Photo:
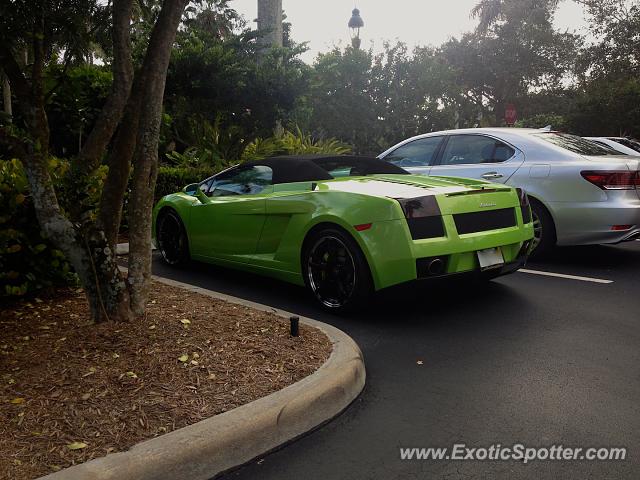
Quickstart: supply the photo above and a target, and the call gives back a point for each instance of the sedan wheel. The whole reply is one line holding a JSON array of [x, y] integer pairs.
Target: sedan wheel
[[537, 230], [544, 231]]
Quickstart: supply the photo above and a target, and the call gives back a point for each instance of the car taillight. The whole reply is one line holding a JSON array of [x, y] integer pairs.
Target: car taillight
[[525, 207], [423, 217], [613, 179]]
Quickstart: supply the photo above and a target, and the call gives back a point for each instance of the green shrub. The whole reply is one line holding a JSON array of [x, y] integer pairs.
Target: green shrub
[[28, 262], [174, 179]]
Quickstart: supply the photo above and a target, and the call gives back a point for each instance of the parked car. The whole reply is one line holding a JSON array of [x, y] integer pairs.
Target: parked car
[[345, 226], [581, 193], [619, 144]]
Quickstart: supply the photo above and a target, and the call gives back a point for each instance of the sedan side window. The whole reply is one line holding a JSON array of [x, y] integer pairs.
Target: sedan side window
[[418, 153], [475, 149], [241, 181]]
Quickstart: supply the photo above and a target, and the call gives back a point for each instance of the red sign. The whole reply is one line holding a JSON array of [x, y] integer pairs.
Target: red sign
[[510, 115]]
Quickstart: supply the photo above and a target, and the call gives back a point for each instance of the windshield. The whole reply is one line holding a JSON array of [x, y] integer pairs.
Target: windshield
[[576, 144]]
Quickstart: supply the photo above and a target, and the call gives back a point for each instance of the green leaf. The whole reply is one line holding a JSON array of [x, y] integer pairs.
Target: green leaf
[[76, 445]]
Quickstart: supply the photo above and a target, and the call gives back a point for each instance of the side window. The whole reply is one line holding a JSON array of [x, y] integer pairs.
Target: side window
[[241, 181], [205, 186], [474, 149], [418, 153]]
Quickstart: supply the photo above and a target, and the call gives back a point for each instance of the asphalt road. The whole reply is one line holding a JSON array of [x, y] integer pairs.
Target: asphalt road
[[528, 358]]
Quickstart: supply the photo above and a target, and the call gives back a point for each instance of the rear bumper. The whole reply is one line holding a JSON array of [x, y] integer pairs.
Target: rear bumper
[[505, 269], [392, 254], [591, 222]]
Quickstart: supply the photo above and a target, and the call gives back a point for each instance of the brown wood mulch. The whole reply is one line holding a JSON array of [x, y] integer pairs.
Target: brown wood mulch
[[71, 391]]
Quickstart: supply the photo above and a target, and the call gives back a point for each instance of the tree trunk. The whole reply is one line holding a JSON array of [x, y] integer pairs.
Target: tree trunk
[[84, 243], [145, 167], [87, 251], [6, 95], [270, 24], [119, 161], [96, 143]]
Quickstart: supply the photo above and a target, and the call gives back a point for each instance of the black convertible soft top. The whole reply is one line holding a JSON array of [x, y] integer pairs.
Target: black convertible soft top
[[309, 168]]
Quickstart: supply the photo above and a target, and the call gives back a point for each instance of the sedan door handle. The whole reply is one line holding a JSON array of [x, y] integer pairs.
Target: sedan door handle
[[492, 175]]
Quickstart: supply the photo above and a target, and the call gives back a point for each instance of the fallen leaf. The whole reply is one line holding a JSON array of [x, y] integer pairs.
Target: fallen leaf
[[86, 396], [212, 376], [183, 358], [152, 327], [17, 401], [76, 445], [131, 375], [115, 355]]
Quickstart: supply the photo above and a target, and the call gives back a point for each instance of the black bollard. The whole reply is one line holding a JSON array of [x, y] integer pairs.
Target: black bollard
[[295, 329]]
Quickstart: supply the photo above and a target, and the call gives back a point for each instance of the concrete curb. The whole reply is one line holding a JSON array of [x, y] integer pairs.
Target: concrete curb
[[217, 444], [123, 248]]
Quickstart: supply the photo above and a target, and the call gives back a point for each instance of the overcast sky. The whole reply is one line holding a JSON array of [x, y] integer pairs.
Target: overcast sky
[[323, 23]]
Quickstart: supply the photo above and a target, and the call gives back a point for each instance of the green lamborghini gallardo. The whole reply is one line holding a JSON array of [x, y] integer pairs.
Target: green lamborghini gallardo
[[345, 226]]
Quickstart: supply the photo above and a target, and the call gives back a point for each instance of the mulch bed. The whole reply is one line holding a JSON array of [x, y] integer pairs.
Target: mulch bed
[[71, 391]]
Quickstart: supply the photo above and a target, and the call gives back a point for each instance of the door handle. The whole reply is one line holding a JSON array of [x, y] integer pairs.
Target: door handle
[[492, 175]]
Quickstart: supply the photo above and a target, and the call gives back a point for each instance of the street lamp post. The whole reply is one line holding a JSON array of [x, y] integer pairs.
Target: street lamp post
[[355, 24]]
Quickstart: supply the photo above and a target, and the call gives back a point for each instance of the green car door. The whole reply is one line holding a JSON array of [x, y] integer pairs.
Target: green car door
[[227, 218]]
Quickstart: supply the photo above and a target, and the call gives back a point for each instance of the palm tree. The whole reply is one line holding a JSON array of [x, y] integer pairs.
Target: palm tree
[[270, 22]]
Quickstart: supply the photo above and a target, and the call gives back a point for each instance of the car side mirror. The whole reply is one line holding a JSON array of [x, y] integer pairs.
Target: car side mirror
[[191, 189], [200, 195]]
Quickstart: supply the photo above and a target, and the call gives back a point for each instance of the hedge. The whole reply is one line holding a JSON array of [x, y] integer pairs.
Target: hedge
[[174, 179], [28, 261]]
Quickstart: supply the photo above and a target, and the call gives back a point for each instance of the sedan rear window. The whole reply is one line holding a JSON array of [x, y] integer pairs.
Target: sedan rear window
[[576, 144], [627, 142]]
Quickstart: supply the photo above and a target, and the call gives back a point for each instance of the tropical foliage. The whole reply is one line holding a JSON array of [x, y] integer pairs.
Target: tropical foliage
[[222, 106]]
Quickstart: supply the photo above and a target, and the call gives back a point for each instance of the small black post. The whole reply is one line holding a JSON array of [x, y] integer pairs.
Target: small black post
[[295, 331]]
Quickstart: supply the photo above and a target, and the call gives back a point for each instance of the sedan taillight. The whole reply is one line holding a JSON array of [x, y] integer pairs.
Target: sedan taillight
[[612, 179], [523, 197], [525, 207]]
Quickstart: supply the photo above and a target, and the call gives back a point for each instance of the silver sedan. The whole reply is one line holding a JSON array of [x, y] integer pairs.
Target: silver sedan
[[581, 193]]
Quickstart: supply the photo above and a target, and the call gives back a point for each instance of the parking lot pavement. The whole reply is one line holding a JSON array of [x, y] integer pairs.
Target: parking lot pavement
[[528, 358]]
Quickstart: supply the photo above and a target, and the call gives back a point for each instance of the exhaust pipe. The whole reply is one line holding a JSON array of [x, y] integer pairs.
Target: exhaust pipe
[[431, 266], [435, 267]]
